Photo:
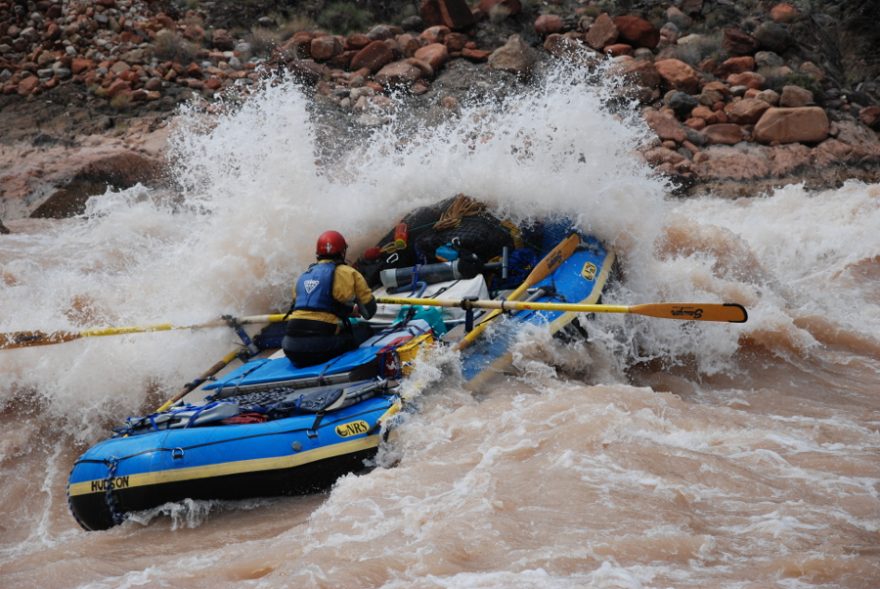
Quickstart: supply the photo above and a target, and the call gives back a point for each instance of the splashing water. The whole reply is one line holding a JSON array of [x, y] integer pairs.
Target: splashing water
[[659, 454]]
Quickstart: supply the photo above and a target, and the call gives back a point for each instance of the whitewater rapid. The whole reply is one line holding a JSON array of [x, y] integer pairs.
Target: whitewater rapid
[[659, 454]]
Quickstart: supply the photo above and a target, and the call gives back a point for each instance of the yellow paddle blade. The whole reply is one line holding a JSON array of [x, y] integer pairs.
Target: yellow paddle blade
[[725, 312]]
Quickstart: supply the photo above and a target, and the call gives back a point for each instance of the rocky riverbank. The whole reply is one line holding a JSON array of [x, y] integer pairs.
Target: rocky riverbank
[[741, 96]]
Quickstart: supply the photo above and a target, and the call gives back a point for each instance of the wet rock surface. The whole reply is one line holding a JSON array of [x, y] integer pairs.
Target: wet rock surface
[[740, 97]]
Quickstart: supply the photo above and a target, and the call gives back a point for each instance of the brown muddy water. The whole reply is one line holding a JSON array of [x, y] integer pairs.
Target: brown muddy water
[[658, 454]]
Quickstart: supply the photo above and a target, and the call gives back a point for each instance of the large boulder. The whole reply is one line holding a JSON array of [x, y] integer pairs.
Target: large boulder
[[723, 134], [326, 47], [678, 75], [665, 125], [455, 14], [602, 32], [637, 31], [399, 73], [515, 56], [738, 42], [793, 96], [807, 124], [373, 57], [746, 111], [436, 54]]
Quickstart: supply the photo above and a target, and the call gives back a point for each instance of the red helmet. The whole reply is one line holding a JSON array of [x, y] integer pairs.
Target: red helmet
[[330, 245]]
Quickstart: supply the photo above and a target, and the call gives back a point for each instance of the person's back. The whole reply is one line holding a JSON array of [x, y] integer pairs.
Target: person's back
[[324, 297]]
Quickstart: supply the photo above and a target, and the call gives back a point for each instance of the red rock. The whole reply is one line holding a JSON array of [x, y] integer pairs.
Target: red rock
[[222, 40], [704, 112], [118, 87], [723, 134], [695, 123], [420, 87], [637, 31], [213, 83], [602, 32], [747, 79], [455, 41], [660, 155], [435, 54], [563, 46], [195, 84], [736, 65], [691, 147], [665, 125], [80, 64], [478, 55], [357, 41], [324, 48], [793, 96], [193, 70], [373, 57], [547, 24], [399, 73], [746, 111], [807, 124], [409, 44], [783, 13], [153, 84], [53, 32], [870, 116], [515, 56], [435, 34], [343, 60], [27, 86], [455, 14], [164, 21], [641, 72], [119, 67], [500, 7], [424, 67], [616, 49], [737, 42], [678, 75], [194, 32]]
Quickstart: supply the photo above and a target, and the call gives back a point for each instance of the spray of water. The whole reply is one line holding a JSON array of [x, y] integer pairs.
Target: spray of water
[[254, 186]]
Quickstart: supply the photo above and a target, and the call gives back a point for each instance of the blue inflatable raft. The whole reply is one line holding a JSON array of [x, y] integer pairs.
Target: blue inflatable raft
[[267, 428]]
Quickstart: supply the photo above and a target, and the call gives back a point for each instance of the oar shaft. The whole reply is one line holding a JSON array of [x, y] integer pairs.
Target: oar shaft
[[23, 339], [726, 312]]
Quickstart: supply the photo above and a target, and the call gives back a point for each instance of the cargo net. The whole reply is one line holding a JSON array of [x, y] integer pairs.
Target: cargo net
[[461, 223], [256, 407]]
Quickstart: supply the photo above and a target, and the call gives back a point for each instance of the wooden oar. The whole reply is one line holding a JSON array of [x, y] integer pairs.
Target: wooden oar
[[542, 270], [725, 312], [23, 339]]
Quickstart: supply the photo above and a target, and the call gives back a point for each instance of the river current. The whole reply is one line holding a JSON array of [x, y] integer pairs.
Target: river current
[[657, 454]]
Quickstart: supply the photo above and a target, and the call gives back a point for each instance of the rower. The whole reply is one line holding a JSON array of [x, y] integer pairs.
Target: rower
[[324, 297]]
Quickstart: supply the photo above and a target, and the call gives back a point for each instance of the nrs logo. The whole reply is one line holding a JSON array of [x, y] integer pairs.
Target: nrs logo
[[589, 271], [355, 428], [311, 285]]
